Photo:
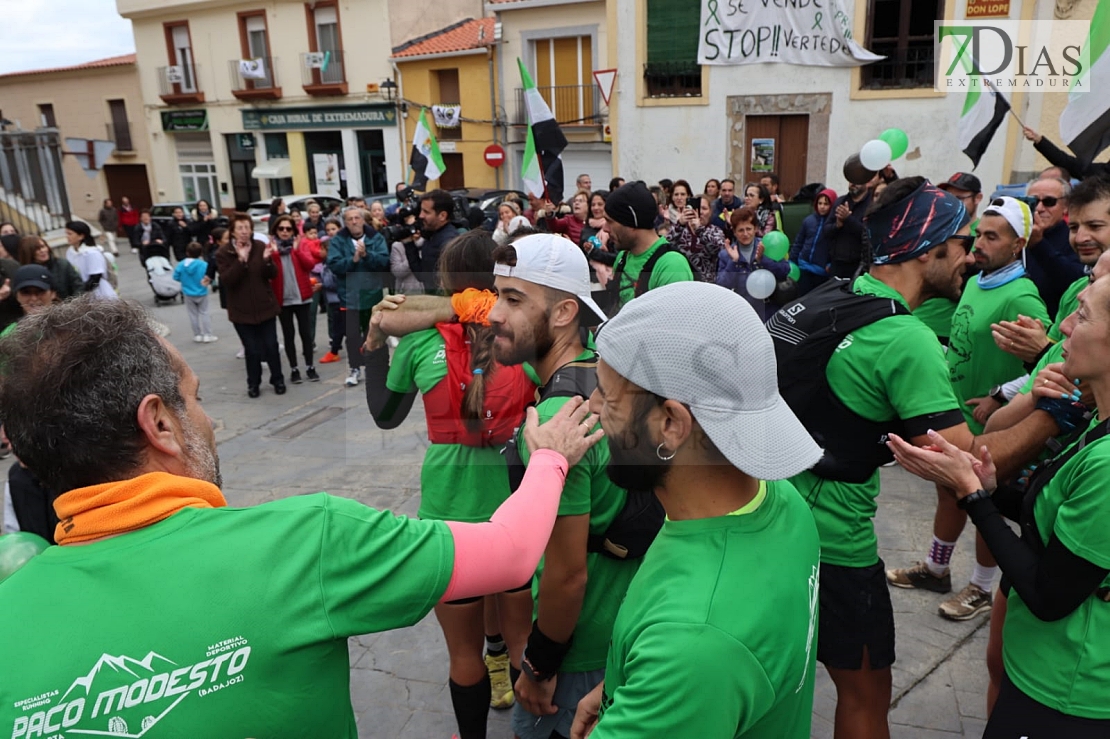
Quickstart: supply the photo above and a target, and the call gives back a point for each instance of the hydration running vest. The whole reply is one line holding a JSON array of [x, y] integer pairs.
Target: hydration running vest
[[508, 393], [806, 333]]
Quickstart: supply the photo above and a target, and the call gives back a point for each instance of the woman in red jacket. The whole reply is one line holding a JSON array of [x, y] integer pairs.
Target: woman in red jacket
[[293, 289], [128, 218]]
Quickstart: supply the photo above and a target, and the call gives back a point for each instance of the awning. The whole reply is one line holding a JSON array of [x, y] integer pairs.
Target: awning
[[273, 169]]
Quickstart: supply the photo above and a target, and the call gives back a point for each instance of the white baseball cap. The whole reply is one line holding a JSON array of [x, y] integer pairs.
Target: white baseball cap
[[555, 262], [703, 345], [1016, 213]]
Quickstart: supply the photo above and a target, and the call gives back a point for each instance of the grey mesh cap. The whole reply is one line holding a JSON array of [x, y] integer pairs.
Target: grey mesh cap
[[704, 346]]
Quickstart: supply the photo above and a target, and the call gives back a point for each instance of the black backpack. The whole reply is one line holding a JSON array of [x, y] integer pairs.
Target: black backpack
[[609, 299], [806, 333], [635, 526]]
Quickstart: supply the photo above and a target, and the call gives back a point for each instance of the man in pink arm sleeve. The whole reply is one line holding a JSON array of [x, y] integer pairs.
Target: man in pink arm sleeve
[[174, 613]]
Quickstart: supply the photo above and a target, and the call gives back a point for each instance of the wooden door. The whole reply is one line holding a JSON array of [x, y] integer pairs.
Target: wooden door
[[777, 144], [130, 180], [453, 178]]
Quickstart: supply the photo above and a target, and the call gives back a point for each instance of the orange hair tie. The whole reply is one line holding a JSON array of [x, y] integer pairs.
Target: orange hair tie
[[473, 306]]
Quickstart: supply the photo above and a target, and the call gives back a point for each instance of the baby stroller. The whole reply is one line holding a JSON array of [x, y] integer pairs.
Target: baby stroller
[[160, 275]]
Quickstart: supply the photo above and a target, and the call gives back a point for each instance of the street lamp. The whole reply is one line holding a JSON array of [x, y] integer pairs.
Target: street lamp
[[389, 89]]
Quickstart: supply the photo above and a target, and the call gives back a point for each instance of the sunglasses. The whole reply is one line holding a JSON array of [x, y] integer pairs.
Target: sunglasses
[[1049, 201], [284, 228], [967, 242]]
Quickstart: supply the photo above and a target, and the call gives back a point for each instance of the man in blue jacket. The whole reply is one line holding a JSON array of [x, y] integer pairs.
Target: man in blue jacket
[[356, 256], [810, 250]]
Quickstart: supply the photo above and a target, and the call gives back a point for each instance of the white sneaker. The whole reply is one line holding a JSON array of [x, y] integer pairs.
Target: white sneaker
[[199, 339], [352, 378], [242, 353], [209, 338]]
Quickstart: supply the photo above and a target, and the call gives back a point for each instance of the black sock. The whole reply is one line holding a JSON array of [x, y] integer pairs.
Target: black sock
[[471, 704], [495, 645], [514, 674]]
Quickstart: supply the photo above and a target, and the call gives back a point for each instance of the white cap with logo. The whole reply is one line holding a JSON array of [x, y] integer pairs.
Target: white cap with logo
[[703, 345], [555, 262], [1016, 213]]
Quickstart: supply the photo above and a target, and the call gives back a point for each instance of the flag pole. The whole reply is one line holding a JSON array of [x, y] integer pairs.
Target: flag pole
[[1009, 108]]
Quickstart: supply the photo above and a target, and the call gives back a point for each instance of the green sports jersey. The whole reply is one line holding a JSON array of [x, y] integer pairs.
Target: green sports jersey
[[457, 482], [214, 622], [975, 362], [1065, 664], [1069, 303], [893, 368], [729, 605], [936, 313], [1055, 353], [588, 490], [670, 268]]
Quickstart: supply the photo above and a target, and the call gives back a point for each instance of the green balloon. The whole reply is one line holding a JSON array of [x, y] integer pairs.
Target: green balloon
[[897, 140], [16, 549], [795, 273], [775, 245]]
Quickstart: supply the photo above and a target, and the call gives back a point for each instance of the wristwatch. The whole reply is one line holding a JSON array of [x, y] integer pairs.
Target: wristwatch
[[975, 497], [996, 393]]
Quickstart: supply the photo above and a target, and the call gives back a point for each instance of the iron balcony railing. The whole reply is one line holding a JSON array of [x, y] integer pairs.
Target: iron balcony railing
[[323, 68], [572, 105], [253, 74], [178, 79]]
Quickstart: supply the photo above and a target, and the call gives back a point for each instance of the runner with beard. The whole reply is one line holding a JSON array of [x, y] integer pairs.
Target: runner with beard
[[891, 373], [543, 288], [726, 597]]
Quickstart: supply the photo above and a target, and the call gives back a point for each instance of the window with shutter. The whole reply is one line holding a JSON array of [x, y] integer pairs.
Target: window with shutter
[[672, 68], [902, 31]]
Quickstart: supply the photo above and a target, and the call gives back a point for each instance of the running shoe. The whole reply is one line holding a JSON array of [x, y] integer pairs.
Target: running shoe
[[199, 338], [329, 358], [966, 604], [352, 378], [501, 689], [919, 577], [295, 376], [310, 373], [242, 353]]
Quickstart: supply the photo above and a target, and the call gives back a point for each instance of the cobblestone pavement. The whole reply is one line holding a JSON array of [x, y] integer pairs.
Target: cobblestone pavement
[[319, 436]]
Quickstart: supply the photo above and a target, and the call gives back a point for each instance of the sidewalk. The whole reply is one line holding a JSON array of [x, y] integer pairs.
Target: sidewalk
[[319, 436]]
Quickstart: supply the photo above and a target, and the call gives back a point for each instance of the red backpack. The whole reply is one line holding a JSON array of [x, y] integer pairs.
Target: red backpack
[[509, 391]]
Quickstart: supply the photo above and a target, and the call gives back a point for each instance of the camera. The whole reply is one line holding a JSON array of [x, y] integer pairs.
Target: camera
[[398, 229]]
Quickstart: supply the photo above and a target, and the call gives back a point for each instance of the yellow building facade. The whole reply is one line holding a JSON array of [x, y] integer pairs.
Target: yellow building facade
[[454, 66]]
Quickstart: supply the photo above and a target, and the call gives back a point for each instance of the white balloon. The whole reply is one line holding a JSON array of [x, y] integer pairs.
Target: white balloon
[[875, 154], [761, 284]]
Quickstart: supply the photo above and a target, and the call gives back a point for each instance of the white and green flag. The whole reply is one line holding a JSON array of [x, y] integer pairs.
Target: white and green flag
[[983, 112], [542, 169], [1085, 122], [425, 160]]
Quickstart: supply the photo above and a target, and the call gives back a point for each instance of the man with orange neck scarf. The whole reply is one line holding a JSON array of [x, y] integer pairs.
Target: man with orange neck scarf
[[180, 616]]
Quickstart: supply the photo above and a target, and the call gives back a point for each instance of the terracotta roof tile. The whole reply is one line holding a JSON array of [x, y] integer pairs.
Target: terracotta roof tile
[[461, 36], [112, 61]]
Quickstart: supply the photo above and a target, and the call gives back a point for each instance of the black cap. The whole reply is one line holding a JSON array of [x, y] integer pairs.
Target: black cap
[[32, 275], [962, 181], [632, 205]]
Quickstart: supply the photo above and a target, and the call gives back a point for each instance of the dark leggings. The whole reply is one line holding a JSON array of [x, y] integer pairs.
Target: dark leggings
[[302, 313], [357, 322], [260, 345], [335, 327], [1016, 715]]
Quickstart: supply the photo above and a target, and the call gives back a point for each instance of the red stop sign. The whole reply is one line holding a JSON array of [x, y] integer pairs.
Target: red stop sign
[[494, 155]]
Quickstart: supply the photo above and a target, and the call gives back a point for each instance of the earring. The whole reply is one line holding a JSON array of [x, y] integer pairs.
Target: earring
[[661, 457]]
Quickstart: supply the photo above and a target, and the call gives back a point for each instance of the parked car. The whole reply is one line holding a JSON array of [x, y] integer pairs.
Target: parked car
[[259, 211], [162, 214], [488, 199]]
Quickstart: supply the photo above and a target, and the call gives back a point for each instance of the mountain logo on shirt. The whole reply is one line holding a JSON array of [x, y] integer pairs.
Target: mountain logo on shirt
[[124, 696]]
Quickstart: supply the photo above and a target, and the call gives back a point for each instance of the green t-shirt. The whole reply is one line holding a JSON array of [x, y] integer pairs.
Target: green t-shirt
[[588, 490], [457, 482], [975, 362], [1069, 303], [214, 622], [893, 368], [936, 313], [692, 616], [1065, 664], [672, 267], [1055, 353]]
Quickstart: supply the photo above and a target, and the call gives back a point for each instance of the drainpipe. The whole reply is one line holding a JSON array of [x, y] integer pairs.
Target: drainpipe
[[493, 111], [400, 120]]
